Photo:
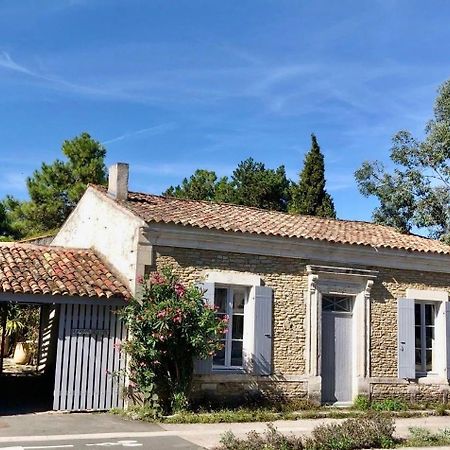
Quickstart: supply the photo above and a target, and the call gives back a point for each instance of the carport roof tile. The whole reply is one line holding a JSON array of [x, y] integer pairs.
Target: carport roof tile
[[41, 270]]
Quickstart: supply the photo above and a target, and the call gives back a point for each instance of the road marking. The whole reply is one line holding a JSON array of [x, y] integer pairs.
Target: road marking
[[37, 447], [118, 443]]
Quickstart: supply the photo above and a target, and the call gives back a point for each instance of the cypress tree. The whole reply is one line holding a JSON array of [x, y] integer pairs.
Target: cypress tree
[[309, 195]]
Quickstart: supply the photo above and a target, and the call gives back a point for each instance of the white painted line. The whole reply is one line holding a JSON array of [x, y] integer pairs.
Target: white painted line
[[92, 436], [37, 447], [115, 444], [48, 446]]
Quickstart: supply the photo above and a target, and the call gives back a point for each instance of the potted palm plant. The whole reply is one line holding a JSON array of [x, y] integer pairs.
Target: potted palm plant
[[15, 329]]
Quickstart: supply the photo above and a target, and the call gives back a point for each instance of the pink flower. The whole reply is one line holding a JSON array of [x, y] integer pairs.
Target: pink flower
[[140, 279], [225, 331], [177, 319], [162, 314], [180, 290], [158, 279]]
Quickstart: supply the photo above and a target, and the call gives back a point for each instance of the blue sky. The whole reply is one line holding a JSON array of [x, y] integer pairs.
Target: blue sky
[[171, 86]]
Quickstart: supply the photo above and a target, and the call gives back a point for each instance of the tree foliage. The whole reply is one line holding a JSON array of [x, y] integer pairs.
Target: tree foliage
[[416, 193], [309, 195], [201, 185], [6, 233], [251, 184], [170, 326], [55, 188]]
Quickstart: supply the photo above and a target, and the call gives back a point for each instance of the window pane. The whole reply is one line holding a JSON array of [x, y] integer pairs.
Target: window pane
[[429, 355], [337, 303], [238, 327], [219, 357], [417, 316], [418, 360], [238, 301], [343, 304], [429, 314], [418, 337], [429, 333], [236, 353], [220, 299], [327, 304]]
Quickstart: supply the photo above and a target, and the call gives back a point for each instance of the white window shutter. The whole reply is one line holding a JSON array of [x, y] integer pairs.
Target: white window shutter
[[447, 336], [204, 366], [262, 353], [406, 338]]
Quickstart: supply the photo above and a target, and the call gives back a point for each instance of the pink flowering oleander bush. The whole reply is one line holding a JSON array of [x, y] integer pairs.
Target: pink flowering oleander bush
[[169, 326]]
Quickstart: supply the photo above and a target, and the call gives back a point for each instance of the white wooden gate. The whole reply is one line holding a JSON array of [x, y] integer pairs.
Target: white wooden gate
[[88, 358]]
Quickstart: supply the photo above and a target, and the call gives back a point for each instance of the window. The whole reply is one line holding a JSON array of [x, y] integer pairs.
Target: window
[[230, 301], [337, 303], [424, 327]]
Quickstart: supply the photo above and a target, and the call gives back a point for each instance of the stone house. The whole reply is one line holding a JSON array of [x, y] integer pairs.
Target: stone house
[[320, 308]]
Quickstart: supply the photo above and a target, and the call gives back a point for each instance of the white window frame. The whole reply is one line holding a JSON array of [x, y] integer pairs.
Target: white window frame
[[423, 372], [439, 298], [248, 281], [231, 289]]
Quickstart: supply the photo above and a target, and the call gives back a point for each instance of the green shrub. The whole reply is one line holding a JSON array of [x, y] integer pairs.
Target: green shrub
[[420, 437], [389, 405], [362, 403], [374, 430], [169, 326], [441, 409], [270, 440]]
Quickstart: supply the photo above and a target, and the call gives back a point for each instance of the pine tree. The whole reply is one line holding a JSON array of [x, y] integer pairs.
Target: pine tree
[[309, 195]]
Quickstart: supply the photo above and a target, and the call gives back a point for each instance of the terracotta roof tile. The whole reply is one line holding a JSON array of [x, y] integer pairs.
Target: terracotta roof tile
[[27, 268], [243, 219]]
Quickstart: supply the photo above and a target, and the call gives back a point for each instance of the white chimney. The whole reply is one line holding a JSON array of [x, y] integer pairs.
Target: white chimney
[[118, 181]]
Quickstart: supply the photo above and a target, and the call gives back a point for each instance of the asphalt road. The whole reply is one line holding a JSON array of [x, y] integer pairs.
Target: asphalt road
[[151, 443]]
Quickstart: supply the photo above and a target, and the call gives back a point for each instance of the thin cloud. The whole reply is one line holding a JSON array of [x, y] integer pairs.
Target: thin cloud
[[6, 62], [151, 131]]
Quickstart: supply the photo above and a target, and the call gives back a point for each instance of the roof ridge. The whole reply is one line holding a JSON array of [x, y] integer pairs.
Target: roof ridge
[[254, 208]]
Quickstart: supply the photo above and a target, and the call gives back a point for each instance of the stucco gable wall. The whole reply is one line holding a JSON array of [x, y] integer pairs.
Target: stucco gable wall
[[113, 233]]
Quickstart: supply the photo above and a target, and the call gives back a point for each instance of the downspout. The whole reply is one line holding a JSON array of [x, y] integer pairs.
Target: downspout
[[4, 309]]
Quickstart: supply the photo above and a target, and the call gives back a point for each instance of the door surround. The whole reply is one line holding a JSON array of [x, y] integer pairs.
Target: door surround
[[330, 280]]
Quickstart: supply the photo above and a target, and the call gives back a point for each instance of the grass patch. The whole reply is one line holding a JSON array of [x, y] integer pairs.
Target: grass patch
[[248, 414], [420, 437], [228, 415], [362, 403]]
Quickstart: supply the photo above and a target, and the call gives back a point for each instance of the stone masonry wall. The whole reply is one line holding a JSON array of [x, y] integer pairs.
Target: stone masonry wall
[[390, 285], [285, 276]]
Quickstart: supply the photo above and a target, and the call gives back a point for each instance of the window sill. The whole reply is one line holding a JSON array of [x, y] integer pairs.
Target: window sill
[[228, 370], [431, 378]]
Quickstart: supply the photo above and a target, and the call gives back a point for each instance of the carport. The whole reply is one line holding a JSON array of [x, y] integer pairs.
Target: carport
[[76, 364]]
